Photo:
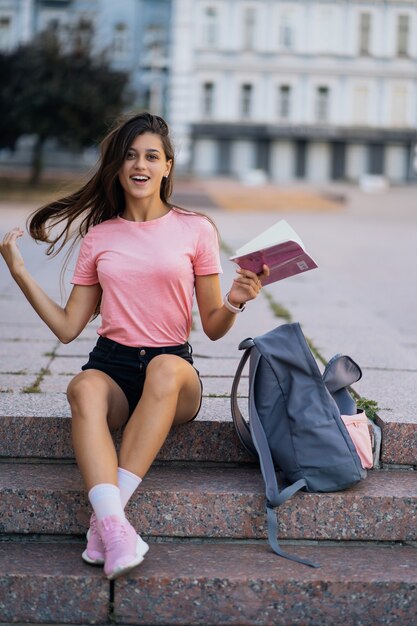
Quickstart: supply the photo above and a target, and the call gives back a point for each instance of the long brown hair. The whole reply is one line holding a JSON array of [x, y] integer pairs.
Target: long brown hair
[[102, 197], [68, 219]]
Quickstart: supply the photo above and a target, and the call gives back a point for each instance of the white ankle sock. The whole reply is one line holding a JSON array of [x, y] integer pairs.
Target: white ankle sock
[[128, 483], [105, 500]]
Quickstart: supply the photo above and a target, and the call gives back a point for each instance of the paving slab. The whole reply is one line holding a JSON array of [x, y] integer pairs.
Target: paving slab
[[211, 502], [67, 365], [16, 309], [24, 363], [214, 349], [372, 342], [396, 393], [216, 367], [247, 585], [49, 583], [221, 385], [21, 333], [55, 383], [25, 349], [15, 383], [77, 348], [350, 246]]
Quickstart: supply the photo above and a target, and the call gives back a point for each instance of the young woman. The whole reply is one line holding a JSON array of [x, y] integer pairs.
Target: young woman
[[141, 260]]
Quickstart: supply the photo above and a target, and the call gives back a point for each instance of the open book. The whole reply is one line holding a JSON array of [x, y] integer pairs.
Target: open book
[[280, 248]]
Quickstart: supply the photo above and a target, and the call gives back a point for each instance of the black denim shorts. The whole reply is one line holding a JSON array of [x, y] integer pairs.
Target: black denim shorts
[[126, 365]]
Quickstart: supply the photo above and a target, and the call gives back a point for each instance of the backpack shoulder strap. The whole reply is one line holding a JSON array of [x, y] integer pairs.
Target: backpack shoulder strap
[[254, 439], [239, 421], [274, 497]]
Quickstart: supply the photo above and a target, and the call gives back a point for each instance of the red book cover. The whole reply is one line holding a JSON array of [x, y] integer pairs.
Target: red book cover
[[286, 257]]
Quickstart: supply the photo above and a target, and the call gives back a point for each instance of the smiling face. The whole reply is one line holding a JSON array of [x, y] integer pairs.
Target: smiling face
[[144, 167]]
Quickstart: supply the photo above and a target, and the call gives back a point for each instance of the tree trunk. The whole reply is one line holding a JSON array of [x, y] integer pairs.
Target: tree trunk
[[37, 162]]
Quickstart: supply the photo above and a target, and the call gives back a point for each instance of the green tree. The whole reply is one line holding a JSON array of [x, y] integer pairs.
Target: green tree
[[54, 88], [9, 131]]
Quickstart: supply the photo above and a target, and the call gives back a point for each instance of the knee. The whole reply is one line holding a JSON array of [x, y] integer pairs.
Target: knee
[[164, 375], [81, 388]]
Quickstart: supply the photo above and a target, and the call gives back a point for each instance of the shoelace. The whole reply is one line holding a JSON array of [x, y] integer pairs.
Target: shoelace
[[116, 533]]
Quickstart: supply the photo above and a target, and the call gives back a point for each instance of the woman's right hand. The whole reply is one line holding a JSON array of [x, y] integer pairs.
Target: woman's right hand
[[10, 252]]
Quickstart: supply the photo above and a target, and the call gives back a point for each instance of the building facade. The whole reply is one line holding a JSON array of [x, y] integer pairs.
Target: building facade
[[135, 34], [299, 89]]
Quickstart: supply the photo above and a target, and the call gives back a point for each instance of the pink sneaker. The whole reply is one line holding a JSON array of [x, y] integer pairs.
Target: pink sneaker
[[94, 552], [124, 549]]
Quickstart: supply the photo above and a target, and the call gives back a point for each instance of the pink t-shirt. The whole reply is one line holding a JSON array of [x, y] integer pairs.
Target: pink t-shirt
[[146, 271]]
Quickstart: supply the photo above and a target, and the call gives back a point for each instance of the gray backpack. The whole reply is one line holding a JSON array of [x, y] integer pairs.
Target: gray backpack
[[294, 420]]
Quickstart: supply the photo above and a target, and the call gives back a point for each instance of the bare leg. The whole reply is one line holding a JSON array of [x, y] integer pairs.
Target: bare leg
[[97, 404], [171, 395]]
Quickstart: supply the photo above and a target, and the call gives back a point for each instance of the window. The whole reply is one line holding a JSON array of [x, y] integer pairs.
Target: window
[[286, 32], [120, 41], [403, 31], [322, 104], [364, 34], [210, 29], [5, 33], [246, 101], [249, 29], [153, 43], [208, 99], [284, 102]]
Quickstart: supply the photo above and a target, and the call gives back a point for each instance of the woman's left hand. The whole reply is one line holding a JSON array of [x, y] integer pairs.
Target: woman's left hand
[[247, 285]]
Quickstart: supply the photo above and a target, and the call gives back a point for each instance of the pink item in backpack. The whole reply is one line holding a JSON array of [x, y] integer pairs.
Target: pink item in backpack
[[358, 429]]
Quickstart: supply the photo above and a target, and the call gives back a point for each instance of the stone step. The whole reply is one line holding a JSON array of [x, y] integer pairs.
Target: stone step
[[216, 584], [49, 583], [39, 426], [215, 502], [249, 585]]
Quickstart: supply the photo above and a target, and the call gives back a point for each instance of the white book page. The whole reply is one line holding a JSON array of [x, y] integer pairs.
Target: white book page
[[277, 233]]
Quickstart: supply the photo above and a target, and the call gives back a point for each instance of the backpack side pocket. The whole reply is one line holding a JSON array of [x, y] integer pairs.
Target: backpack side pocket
[[358, 429]]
